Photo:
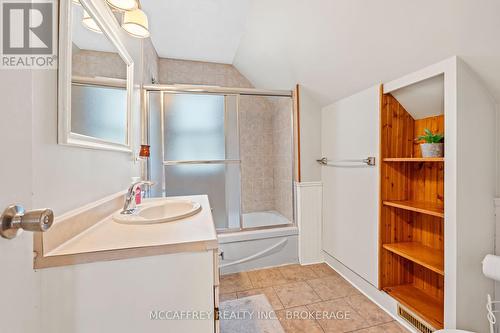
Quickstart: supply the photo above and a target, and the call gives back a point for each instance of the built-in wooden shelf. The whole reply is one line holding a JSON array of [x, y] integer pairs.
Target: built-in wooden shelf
[[423, 255], [431, 309], [414, 159], [428, 208]]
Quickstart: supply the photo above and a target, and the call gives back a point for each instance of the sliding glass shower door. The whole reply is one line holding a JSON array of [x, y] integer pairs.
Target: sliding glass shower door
[[235, 147], [200, 151]]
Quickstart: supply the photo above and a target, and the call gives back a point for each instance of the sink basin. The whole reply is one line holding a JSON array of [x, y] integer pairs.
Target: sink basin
[[159, 211]]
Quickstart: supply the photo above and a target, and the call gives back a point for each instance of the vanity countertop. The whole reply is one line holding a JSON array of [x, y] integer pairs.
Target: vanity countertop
[[108, 240]]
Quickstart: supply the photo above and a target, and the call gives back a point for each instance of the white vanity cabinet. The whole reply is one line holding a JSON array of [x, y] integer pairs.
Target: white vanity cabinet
[[114, 277], [145, 294]]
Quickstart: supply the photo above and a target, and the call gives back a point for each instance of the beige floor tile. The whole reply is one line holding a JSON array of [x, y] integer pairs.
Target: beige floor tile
[[337, 316], [266, 277], [231, 283], [368, 310], [391, 327], [332, 287], [295, 294], [295, 273], [322, 270], [227, 297], [269, 292], [297, 320]]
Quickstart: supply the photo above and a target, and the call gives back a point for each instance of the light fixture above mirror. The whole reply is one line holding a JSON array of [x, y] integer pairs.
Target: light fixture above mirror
[[134, 20], [124, 5]]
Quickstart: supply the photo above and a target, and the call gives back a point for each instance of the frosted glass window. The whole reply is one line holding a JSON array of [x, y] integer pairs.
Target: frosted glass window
[[218, 181], [194, 127], [99, 112]]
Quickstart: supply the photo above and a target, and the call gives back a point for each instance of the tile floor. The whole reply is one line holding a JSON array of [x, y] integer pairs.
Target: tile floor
[[294, 291]]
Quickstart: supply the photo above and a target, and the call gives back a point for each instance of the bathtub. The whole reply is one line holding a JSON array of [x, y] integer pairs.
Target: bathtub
[[274, 245], [263, 219]]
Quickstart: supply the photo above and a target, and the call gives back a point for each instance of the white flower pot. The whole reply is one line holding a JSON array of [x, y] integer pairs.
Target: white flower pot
[[432, 149]]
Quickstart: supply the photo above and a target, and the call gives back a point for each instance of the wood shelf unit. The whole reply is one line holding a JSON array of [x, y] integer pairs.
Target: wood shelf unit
[[431, 309], [428, 208], [411, 257], [423, 255], [414, 159]]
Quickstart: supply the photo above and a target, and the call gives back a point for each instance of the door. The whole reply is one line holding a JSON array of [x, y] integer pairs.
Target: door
[[350, 130], [19, 302]]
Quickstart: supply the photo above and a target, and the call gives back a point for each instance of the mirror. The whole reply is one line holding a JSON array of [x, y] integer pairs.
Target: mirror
[[95, 76]]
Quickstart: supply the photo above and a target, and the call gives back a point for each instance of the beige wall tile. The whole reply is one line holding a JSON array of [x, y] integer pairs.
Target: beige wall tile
[[96, 63]]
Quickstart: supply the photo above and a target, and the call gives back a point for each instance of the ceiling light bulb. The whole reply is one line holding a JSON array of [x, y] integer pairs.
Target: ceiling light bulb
[[89, 23], [135, 22], [123, 4]]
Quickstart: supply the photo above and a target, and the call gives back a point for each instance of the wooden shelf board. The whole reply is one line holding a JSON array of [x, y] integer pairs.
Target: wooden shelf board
[[427, 307], [423, 255], [414, 159], [428, 208]]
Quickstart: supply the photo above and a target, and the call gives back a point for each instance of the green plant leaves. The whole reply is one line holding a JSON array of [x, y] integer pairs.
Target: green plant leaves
[[430, 137]]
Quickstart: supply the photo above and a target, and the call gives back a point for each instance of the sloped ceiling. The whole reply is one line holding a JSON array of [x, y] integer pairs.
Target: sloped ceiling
[[338, 47], [203, 30], [332, 47], [423, 99]]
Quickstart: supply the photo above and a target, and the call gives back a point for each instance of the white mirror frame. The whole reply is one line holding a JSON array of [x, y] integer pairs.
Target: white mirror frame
[[109, 27]]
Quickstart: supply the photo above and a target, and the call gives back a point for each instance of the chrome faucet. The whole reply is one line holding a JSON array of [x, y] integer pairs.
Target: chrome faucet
[[129, 206]]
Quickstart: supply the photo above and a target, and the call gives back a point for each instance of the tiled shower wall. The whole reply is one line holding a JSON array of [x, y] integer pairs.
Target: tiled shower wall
[[96, 63], [265, 134], [282, 156], [256, 152]]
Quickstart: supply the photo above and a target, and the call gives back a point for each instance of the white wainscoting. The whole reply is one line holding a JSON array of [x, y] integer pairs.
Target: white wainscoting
[[309, 216]]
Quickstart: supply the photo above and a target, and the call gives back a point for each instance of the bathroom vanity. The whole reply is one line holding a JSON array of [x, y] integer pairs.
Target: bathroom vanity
[[102, 276]]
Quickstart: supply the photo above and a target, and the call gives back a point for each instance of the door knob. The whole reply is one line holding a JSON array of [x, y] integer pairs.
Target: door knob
[[15, 218]]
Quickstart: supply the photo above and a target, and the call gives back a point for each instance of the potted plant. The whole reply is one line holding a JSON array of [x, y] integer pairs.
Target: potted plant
[[433, 146]]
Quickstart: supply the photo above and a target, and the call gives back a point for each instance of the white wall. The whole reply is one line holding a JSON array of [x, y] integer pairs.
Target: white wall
[[476, 166], [310, 136], [20, 299], [351, 130], [67, 177], [37, 172]]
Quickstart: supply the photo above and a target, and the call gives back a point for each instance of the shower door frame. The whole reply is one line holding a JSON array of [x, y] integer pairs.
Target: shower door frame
[[221, 91]]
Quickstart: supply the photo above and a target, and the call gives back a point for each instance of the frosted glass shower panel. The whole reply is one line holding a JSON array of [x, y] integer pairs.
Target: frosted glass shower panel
[[194, 127], [218, 181]]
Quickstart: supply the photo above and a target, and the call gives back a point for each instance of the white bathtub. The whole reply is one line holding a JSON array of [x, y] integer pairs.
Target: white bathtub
[[263, 219], [253, 249]]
